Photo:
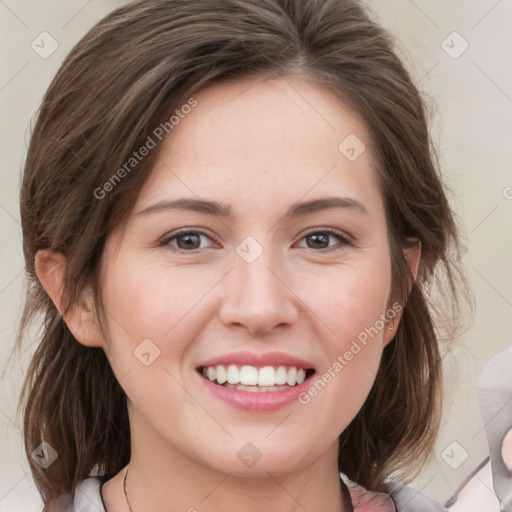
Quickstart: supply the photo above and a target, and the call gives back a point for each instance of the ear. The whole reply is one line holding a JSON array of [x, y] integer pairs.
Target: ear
[[81, 317], [412, 256]]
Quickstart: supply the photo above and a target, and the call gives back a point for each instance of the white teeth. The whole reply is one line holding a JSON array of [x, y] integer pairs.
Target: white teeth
[[292, 376], [248, 375], [281, 375], [252, 378], [266, 376], [233, 374], [256, 389], [221, 374]]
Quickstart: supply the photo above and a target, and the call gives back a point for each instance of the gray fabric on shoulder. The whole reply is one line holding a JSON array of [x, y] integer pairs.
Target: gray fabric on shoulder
[[494, 392], [409, 499]]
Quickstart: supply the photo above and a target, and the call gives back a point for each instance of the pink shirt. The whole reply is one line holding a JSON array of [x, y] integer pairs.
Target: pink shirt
[[367, 501]]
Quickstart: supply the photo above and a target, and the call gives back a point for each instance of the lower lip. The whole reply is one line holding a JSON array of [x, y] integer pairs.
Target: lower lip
[[255, 401]]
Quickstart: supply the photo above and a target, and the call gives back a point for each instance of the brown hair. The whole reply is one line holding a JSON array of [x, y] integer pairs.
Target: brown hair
[[121, 81]]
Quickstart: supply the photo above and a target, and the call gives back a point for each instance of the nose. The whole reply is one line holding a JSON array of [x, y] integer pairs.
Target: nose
[[259, 295]]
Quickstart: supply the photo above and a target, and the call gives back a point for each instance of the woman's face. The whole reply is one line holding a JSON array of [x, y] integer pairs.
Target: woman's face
[[257, 294]]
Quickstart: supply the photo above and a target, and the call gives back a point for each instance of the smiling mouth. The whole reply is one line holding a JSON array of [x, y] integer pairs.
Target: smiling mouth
[[256, 379]]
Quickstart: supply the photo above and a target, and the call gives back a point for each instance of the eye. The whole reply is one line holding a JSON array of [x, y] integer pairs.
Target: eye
[[319, 239], [186, 240]]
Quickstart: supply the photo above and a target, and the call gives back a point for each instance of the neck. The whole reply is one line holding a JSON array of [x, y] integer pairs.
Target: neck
[[160, 475]]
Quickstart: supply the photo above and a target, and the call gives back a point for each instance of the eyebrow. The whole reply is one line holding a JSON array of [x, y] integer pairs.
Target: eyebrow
[[215, 208]]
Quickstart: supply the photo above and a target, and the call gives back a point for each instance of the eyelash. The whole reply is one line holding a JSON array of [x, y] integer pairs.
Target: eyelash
[[326, 231]]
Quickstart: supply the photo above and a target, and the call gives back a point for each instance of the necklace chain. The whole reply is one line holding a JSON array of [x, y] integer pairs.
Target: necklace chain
[[348, 502], [124, 489]]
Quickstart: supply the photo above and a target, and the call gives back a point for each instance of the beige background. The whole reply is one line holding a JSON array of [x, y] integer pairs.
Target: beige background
[[472, 96]]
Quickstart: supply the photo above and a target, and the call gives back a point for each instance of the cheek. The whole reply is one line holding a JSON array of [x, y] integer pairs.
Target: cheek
[[154, 303], [150, 320], [349, 300], [353, 306]]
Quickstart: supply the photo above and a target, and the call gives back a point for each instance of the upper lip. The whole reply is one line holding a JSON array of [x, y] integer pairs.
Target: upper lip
[[252, 359]]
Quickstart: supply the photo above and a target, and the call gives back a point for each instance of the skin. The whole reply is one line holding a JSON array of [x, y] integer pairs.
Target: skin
[[259, 145]]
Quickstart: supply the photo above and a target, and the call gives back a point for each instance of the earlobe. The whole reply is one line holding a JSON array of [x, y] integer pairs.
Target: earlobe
[[413, 256], [80, 318], [389, 332]]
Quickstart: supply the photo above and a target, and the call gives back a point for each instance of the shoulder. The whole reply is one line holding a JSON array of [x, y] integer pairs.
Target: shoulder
[[87, 498], [401, 498], [409, 499]]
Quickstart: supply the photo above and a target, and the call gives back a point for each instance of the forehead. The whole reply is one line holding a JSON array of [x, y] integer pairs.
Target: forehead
[[280, 138]]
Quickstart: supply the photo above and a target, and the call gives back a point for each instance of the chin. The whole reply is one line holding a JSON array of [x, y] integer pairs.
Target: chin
[[258, 460]]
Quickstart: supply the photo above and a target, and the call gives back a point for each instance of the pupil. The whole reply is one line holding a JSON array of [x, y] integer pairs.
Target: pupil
[[188, 238], [323, 236]]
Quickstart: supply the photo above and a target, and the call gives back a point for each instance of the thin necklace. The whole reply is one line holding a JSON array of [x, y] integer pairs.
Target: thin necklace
[[124, 489], [346, 494]]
